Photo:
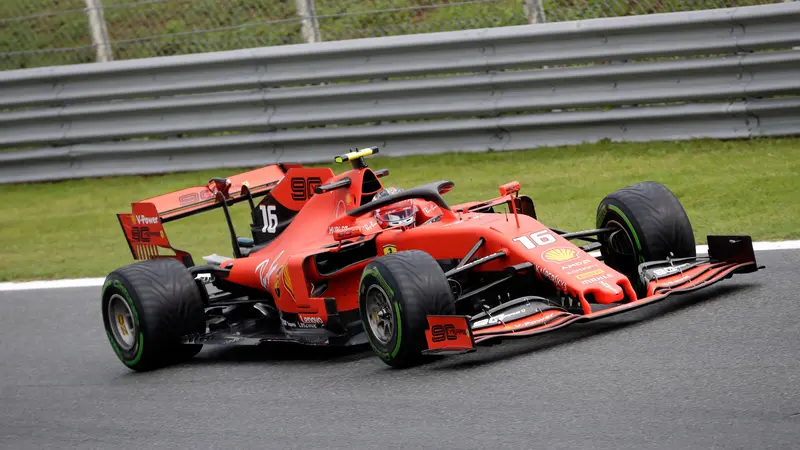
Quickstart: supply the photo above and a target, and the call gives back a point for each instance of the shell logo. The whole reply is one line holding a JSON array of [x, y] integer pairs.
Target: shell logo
[[559, 255]]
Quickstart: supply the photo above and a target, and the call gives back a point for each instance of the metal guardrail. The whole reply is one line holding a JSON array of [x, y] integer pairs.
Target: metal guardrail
[[717, 73]]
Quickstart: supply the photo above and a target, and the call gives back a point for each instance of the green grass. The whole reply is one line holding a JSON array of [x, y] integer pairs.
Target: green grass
[[69, 229], [173, 27]]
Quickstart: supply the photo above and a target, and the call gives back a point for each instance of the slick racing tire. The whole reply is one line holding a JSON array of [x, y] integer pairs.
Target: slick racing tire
[[147, 307], [651, 226], [396, 294]]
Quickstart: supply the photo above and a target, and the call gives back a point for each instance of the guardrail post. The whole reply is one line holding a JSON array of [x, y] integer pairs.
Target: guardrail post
[[307, 11], [97, 27], [534, 11]]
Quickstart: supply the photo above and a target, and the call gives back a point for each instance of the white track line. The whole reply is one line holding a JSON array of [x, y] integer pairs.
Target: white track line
[[51, 284], [95, 282]]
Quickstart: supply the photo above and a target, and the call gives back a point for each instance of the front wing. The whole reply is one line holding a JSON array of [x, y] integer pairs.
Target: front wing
[[528, 316]]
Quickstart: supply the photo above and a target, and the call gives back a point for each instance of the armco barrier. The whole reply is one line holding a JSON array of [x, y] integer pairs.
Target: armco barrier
[[718, 73]]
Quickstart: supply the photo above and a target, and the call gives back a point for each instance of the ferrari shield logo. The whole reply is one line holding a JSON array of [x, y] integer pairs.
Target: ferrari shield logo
[[389, 249]]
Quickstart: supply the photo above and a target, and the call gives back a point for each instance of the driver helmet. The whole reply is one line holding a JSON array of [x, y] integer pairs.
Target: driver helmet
[[402, 213]]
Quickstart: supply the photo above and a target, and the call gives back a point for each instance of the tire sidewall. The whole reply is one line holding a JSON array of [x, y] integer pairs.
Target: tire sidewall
[[377, 274], [165, 303], [116, 284], [612, 210], [655, 222]]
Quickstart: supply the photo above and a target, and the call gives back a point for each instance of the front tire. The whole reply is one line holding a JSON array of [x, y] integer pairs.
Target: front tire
[[147, 307], [396, 294], [651, 226]]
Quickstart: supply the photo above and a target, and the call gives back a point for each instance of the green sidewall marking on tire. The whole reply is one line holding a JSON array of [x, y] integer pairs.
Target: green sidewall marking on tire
[[399, 330], [630, 226], [376, 273], [118, 285]]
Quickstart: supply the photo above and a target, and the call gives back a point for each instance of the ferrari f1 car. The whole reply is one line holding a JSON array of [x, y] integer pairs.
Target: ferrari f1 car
[[340, 260]]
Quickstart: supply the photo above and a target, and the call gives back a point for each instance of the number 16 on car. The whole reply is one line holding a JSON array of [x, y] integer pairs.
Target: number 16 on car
[[537, 239]]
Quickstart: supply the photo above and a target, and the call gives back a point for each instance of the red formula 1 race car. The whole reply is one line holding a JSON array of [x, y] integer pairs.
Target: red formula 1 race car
[[341, 260]]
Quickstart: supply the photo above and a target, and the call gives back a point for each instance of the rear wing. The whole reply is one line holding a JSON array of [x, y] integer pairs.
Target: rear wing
[[196, 199], [144, 226]]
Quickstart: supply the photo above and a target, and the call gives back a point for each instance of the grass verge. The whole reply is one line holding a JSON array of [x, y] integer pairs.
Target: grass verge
[[69, 229]]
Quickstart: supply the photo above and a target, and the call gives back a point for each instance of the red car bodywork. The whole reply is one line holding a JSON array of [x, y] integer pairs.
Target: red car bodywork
[[285, 268]]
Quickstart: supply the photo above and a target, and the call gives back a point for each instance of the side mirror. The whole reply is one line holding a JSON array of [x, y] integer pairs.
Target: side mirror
[[509, 188], [349, 233], [444, 187]]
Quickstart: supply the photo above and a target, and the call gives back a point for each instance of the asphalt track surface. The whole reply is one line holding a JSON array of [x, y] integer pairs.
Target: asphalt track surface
[[716, 369]]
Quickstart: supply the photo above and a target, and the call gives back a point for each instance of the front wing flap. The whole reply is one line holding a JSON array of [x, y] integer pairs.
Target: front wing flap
[[528, 316]]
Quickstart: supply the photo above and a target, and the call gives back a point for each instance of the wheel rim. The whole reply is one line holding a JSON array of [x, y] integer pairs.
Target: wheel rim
[[619, 241], [120, 317], [380, 314]]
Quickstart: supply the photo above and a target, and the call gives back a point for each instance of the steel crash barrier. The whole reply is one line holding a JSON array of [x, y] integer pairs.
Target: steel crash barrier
[[725, 73]]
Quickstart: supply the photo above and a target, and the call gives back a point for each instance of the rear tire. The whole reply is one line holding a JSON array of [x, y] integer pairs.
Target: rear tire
[[396, 294], [147, 307], [652, 225]]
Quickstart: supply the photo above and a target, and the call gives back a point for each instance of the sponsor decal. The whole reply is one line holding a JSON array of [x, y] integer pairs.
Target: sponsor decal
[[448, 332], [560, 254], [430, 209], [534, 322], [312, 319], [348, 199], [596, 279], [303, 188], [576, 264], [369, 226], [195, 197], [144, 220], [590, 274], [264, 270], [581, 269], [261, 269], [667, 271], [140, 234], [391, 248], [188, 198], [559, 283], [332, 230], [499, 318], [288, 324]]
